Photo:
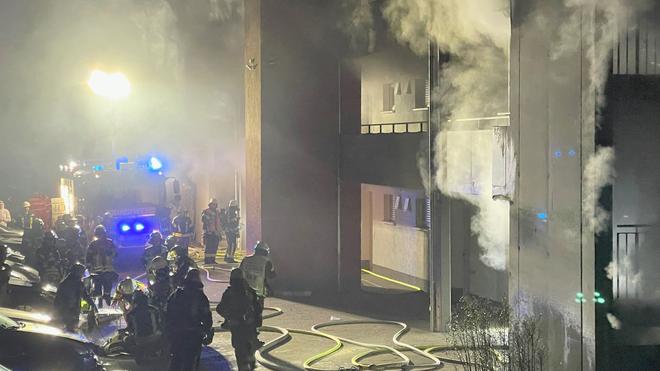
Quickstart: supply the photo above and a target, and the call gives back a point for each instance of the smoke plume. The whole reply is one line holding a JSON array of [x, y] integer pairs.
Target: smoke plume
[[598, 173], [474, 35]]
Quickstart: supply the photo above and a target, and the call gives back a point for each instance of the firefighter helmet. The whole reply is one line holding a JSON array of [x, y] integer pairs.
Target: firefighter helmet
[[155, 236], [100, 231], [158, 263]]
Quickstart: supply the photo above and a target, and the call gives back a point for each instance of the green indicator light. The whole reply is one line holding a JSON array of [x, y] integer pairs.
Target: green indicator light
[[597, 294], [601, 301], [577, 300], [583, 300], [579, 295]]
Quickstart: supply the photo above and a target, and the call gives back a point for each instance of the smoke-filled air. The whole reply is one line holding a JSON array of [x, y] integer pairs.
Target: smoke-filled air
[[474, 37]]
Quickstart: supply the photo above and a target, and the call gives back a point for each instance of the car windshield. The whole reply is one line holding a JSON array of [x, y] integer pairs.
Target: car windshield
[[8, 323]]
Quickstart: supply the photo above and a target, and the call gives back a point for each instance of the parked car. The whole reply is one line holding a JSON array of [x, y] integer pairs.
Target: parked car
[[32, 346]]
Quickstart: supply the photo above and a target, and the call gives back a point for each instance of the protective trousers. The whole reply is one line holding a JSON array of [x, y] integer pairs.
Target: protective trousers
[[185, 349], [243, 338], [103, 283], [231, 244], [211, 242]]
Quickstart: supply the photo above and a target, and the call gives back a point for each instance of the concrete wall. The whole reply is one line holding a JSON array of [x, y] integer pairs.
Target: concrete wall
[[292, 134], [552, 111], [400, 248], [396, 66]]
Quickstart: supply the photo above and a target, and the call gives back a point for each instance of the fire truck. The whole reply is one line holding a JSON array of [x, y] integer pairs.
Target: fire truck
[[130, 197]]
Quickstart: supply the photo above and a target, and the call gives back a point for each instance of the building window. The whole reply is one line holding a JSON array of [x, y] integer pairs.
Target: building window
[[422, 93], [389, 210], [388, 97], [423, 212]]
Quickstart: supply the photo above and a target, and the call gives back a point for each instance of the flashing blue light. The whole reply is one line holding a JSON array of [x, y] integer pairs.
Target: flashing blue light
[[154, 164], [125, 227], [571, 152], [97, 168], [542, 216], [121, 160], [557, 154], [139, 227]]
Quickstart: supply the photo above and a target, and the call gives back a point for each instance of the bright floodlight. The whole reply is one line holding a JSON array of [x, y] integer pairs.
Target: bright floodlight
[[112, 86]]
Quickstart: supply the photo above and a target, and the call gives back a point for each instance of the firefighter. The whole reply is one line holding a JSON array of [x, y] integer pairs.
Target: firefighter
[[71, 234], [212, 231], [154, 248], [100, 258], [232, 229], [188, 323], [70, 292], [240, 308], [48, 260], [5, 215], [28, 217], [182, 227], [258, 270], [143, 324], [161, 286], [5, 274], [182, 264], [27, 223]]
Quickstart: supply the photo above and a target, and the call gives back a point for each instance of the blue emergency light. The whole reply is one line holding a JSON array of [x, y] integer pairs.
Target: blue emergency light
[[154, 164]]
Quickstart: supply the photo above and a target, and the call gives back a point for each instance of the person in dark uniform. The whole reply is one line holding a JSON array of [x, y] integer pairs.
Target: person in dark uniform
[[48, 259], [71, 234], [161, 286], [101, 254], [188, 323], [30, 225], [240, 307], [212, 231], [143, 324], [154, 248], [182, 228], [5, 275], [69, 294], [258, 271], [232, 228], [182, 264]]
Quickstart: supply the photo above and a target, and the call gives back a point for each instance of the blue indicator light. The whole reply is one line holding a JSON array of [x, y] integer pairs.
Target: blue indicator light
[[97, 168], [542, 216], [125, 227], [557, 154], [154, 164], [139, 227], [571, 152]]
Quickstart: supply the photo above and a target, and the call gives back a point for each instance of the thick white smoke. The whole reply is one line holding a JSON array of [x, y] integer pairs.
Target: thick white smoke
[[598, 173], [473, 83], [615, 323]]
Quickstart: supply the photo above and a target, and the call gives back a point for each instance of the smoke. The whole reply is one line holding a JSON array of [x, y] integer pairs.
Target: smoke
[[474, 35], [598, 173], [615, 323], [356, 20], [595, 24], [184, 61]]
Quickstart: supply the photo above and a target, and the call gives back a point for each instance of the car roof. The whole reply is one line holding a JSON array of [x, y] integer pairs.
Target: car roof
[[21, 315]]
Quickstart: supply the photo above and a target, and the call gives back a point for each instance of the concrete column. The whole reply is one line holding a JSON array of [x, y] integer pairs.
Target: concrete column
[[253, 66]]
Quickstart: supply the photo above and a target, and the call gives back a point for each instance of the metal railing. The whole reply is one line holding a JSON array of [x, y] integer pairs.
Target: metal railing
[[395, 128], [629, 238]]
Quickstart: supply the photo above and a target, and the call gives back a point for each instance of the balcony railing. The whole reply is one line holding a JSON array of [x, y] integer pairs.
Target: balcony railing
[[629, 239], [395, 128]]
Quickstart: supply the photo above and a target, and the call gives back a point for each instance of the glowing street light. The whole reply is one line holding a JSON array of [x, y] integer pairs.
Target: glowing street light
[[113, 86]]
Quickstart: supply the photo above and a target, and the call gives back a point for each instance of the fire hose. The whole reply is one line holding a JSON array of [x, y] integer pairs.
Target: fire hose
[[309, 364]]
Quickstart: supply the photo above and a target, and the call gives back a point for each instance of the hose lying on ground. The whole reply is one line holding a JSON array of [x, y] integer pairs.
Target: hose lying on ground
[[308, 364]]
